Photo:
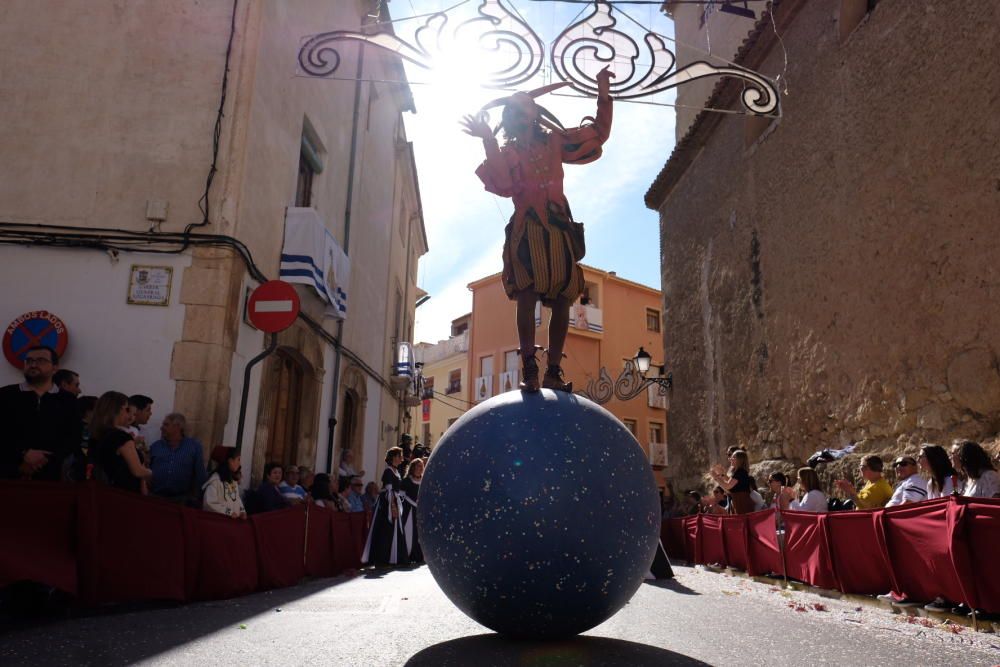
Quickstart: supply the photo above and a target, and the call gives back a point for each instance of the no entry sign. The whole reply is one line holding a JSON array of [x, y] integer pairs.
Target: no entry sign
[[273, 306], [36, 327]]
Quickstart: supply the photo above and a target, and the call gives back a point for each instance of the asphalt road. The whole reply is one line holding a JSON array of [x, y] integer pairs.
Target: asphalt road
[[402, 618]]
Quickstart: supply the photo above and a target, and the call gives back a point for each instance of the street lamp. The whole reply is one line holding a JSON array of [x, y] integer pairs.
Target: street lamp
[[643, 361]]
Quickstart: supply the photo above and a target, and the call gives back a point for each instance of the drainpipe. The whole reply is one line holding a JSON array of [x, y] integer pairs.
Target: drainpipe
[[332, 422]]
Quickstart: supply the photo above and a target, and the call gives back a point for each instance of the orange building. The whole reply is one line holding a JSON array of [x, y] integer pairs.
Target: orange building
[[608, 324]]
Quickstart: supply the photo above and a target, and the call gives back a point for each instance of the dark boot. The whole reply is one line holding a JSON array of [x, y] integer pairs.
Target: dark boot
[[553, 379], [529, 371]]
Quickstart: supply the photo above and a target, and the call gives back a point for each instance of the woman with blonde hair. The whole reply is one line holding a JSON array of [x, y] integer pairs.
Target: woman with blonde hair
[[810, 497], [737, 483]]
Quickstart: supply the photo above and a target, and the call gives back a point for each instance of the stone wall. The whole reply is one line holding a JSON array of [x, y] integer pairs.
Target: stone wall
[[836, 279]]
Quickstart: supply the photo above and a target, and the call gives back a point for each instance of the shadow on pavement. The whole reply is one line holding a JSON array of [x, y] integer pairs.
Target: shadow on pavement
[[495, 651], [141, 631], [671, 585]]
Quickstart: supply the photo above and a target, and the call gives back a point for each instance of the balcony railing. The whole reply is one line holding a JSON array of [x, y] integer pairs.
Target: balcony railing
[[581, 318], [484, 387], [509, 380], [656, 397], [586, 318], [658, 454]]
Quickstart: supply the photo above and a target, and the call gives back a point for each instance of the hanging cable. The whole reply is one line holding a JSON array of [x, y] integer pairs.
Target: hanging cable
[[203, 203], [164, 243]]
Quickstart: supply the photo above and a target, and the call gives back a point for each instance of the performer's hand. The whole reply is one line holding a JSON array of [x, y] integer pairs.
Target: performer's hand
[[477, 127], [604, 81]]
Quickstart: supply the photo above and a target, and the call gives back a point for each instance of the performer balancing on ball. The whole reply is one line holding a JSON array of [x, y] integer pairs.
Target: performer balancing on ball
[[543, 243]]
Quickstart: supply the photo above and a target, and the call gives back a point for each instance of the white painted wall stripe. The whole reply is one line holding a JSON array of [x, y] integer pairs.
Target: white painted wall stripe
[[273, 306]]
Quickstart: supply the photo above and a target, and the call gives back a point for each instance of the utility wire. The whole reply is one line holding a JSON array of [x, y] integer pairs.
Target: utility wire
[[203, 204], [164, 243]]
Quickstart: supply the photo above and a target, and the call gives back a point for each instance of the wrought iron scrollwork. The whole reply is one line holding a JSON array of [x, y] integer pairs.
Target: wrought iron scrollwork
[[600, 390], [630, 384], [513, 53], [517, 52], [596, 39]]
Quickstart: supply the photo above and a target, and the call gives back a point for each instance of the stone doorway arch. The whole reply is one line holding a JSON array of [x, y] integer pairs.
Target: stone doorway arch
[[287, 412], [354, 404]]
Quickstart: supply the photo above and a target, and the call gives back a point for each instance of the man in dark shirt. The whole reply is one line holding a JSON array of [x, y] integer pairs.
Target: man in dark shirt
[[41, 426], [67, 380]]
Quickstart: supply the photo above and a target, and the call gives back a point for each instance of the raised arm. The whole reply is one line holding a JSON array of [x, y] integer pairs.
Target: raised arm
[[583, 144], [494, 172]]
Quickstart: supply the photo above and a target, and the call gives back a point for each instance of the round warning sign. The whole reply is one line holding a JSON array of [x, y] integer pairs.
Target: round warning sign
[[37, 327]]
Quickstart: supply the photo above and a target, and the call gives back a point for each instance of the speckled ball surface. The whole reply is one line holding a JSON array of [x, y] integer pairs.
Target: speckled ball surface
[[538, 514]]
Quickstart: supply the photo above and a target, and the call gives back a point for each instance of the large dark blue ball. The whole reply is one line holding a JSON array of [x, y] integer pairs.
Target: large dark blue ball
[[538, 514]]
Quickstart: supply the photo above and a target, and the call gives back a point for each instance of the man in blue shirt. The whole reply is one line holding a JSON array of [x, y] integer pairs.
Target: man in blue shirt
[[354, 496], [177, 462]]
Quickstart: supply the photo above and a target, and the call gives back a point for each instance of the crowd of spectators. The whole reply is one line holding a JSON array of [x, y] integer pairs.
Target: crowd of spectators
[[57, 433], [965, 470]]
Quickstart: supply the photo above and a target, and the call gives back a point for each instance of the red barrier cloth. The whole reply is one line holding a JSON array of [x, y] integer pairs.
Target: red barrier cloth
[[692, 538], [918, 545], [227, 556], [762, 544], [672, 535], [343, 543], [855, 554], [132, 547], [713, 546], [319, 551], [38, 520], [359, 531], [807, 556], [734, 531], [280, 537], [349, 536], [982, 534]]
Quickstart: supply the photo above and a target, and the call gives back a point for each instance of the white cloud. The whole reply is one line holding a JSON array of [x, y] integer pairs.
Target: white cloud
[[452, 298]]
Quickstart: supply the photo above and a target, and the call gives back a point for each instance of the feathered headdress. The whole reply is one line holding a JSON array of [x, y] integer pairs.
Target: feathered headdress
[[526, 101]]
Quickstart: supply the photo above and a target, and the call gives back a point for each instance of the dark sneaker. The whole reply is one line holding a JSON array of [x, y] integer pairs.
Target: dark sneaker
[[939, 605]]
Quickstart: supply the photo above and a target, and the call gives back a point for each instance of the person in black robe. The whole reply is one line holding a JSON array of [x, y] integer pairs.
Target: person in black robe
[[411, 489], [386, 543]]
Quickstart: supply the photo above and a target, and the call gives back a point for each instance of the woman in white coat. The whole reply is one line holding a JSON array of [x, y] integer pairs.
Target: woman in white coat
[[222, 491]]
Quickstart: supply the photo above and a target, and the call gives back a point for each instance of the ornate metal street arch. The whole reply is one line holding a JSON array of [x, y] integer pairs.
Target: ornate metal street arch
[[516, 53]]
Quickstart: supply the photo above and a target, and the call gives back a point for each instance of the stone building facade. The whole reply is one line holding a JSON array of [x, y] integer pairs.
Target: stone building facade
[[831, 277], [108, 131]]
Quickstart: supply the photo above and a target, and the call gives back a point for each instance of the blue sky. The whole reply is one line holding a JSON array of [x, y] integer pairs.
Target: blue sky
[[465, 223]]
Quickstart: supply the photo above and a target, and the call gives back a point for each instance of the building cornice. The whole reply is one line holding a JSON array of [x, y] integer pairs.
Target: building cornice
[[756, 46], [607, 275]]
